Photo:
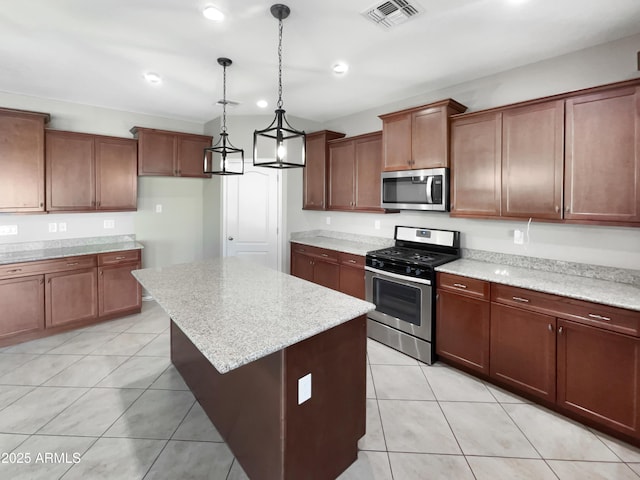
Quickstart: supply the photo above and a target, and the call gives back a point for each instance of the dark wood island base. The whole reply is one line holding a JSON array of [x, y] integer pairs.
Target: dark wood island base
[[255, 407]]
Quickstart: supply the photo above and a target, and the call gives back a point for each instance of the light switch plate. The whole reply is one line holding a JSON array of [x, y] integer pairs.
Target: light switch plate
[[304, 388]]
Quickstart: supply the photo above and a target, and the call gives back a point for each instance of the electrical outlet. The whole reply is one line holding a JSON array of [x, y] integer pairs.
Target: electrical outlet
[[328, 220], [304, 388], [518, 237], [62, 227], [376, 224], [109, 224], [158, 208], [8, 229], [53, 227]]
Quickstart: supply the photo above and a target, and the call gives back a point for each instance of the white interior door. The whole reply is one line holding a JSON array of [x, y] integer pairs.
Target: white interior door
[[251, 215]]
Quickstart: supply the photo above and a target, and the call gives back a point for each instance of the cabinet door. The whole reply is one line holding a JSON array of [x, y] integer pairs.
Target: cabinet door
[[599, 375], [157, 153], [532, 160], [302, 266], [523, 350], [71, 177], [341, 175], [118, 290], [368, 167], [352, 281], [21, 162], [71, 296], [22, 305], [326, 274], [462, 330], [396, 141], [429, 138], [602, 170], [191, 156], [116, 174], [476, 164]]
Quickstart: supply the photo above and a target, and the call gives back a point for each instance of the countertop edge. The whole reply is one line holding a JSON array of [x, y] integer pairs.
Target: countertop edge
[[66, 252]]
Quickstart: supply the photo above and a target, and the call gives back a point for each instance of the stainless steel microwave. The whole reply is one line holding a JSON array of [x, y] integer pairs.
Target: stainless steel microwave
[[426, 189]]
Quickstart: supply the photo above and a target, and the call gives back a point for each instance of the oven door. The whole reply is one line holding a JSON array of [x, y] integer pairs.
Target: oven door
[[401, 302]]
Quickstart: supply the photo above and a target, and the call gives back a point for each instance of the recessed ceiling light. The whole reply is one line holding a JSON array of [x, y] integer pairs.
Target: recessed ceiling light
[[340, 68], [262, 103], [153, 78], [212, 13]]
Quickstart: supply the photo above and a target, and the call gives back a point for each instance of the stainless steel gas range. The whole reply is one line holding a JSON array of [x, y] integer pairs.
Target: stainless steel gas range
[[400, 281]]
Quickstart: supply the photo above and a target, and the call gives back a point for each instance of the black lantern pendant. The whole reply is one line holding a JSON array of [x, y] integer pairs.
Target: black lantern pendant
[[279, 145], [221, 159]]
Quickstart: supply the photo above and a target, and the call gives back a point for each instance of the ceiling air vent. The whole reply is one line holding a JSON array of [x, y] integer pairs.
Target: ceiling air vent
[[392, 12]]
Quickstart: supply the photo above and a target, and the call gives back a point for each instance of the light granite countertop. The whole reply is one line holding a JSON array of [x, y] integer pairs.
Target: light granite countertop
[[236, 312], [346, 243], [583, 288], [50, 253]]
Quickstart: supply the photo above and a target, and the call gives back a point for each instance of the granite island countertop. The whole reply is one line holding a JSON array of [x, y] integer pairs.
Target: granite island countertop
[[236, 312], [606, 292], [53, 250]]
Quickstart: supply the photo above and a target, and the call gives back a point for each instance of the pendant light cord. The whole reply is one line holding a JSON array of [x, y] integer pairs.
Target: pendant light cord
[[224, 99], [280, 64]]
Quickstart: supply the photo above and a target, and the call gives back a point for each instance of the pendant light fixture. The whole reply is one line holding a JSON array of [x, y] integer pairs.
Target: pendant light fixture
[[279, 145], [221, 159]]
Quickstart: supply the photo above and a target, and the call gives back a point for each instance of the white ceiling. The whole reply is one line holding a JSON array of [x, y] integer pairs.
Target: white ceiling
[[95, 52]]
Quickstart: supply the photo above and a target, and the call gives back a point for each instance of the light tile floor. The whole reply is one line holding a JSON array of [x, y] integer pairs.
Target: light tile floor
[[109, 397]]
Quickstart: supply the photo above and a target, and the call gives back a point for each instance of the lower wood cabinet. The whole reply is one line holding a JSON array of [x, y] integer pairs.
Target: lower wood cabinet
[[599, 376], [22, 305], [71, 296], [337, 270], [119, 293], [44, 297], [462, 330], [580, 358], [523, 350]]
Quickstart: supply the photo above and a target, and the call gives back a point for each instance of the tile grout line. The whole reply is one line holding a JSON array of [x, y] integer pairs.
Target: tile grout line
[[375, 393]]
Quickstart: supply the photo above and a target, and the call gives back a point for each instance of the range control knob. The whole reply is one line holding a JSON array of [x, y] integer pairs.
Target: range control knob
[[408, 269], [418, 272]]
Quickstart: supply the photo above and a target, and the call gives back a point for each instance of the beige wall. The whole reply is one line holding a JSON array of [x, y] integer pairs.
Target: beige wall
[[174, 236], [613, 246]]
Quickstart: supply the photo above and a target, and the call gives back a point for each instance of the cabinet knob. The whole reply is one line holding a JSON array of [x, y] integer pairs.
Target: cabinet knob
[[101, 272], [229, 238], [557, 209], [560, 330], [567, 208], [550, 328], [41, 204]]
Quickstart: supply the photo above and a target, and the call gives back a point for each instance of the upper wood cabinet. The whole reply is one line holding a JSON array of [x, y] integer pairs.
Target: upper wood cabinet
[[90, 172], [172, 154], [22, 160], [476, 151], [602, 155], [532, 160], [418, 137], [314, 196], [355, 165]]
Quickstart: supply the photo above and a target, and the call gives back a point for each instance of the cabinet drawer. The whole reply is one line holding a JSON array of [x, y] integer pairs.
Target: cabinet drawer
[[113, 258], [589, 313], [323, 253], [20, 269], [464, 285], [351, 259], [69, 263]]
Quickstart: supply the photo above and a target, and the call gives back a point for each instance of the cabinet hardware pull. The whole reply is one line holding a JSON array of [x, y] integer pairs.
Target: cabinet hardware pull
[[42, 282], [72, 264], [599, 317], [560, 330], [324, 255], [459, 285], [352, 261], [101, 272], [520, 299], [567, 208], [121, 258], [557, 209], [41, 204], [15, 270], [550, 328]]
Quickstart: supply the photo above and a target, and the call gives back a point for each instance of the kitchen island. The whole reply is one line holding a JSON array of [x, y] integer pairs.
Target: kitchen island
[[277, 363]]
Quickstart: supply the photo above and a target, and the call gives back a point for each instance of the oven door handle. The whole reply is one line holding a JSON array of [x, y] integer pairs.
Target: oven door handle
[[399, 277]]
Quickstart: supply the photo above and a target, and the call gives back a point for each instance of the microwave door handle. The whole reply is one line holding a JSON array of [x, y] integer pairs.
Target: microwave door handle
[[429, 188]]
